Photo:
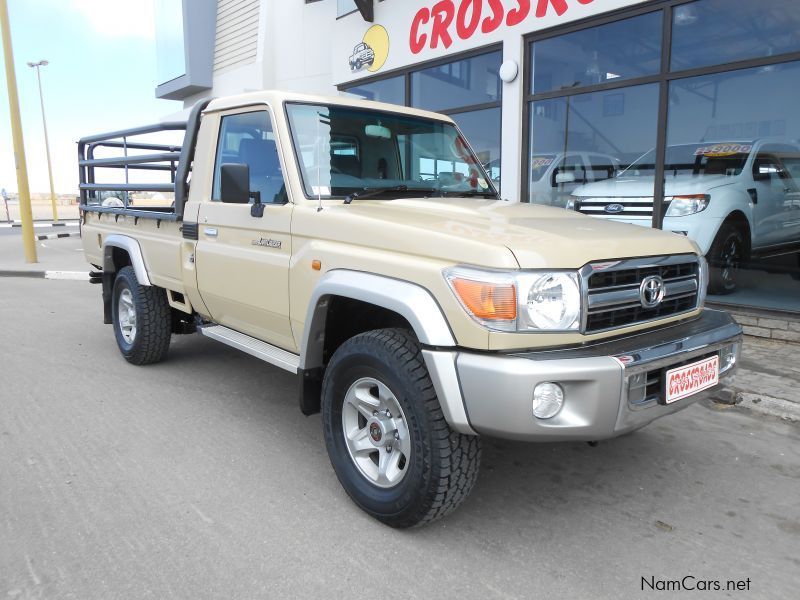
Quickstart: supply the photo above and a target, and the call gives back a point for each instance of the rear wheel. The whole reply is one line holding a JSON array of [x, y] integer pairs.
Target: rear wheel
[[388, 441], [725, 257], [142, 319]]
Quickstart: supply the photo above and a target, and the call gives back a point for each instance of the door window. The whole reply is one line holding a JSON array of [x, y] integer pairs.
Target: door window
[[248, 138]]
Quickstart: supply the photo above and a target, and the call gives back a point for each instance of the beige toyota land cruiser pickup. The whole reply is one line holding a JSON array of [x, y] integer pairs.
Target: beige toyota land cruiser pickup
[[363, 247]]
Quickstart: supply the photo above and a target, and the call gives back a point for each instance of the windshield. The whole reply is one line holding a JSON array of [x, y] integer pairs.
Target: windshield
[[344, 152], [695, 159]]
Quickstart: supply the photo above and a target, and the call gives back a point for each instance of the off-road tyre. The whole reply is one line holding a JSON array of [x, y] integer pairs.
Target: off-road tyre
[[443, 465], [153, 320], [725, 258]]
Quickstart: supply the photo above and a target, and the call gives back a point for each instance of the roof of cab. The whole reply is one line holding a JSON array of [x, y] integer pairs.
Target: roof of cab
[[274, 97]]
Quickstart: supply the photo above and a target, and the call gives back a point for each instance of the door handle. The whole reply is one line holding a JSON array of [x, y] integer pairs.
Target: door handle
[[211, 231]]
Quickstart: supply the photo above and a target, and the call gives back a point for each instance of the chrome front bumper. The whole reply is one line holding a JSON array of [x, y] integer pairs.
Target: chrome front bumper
[[605, 384]]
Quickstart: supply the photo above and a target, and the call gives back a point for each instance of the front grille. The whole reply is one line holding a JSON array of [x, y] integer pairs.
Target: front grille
[[613, 290], [633, 208]]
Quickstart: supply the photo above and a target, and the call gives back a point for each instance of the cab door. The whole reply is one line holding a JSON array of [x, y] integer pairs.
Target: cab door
[[776, 207], [242, 261]]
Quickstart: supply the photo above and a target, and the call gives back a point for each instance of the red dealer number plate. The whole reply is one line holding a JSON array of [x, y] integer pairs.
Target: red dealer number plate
[[690, 379]]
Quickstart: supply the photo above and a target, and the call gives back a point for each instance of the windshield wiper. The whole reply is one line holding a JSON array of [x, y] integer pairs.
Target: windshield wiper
[[372, 192], [454, 194]]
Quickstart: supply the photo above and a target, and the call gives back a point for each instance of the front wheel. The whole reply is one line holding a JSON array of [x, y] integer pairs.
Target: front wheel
[[725, 258], [388, 441], [142, 319]]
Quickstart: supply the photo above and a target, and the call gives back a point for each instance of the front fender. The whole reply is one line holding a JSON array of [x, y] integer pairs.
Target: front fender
[[411, 301]]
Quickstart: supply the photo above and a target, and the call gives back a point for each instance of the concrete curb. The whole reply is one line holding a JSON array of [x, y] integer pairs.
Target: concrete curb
[[36, 225], [774, 407], [63, 275], [759, 403], [55, 236]]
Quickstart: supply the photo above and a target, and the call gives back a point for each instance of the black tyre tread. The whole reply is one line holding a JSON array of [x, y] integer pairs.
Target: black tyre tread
[[455, 475], [154, 321], [716, 285]]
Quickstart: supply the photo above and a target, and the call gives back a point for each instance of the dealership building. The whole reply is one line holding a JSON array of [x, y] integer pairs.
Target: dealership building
[[591, 105]]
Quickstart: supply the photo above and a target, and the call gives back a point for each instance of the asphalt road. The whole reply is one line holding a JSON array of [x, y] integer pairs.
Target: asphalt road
[[199, 478]]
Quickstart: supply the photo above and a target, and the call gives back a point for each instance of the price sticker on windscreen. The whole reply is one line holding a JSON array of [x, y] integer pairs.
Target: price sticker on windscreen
[[690, 379], [541, 162], [723, 150]]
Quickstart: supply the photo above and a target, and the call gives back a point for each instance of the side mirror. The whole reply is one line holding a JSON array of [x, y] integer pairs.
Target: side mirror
[[565, 177], [234, 183]]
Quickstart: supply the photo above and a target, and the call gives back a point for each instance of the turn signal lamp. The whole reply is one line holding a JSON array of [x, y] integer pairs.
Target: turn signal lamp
[[487, 301]]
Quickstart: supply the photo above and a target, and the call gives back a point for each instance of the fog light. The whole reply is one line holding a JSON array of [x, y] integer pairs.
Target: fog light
[[727, 357], [548, 398]]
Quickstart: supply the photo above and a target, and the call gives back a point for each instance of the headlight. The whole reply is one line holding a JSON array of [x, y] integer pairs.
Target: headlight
[[524, 301], [682, 206], [572, 203]]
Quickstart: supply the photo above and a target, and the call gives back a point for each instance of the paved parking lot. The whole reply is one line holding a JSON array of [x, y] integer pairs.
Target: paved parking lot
[[199, 478]]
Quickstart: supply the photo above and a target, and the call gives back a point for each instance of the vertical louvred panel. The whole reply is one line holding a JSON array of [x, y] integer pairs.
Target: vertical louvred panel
[[236, 41]]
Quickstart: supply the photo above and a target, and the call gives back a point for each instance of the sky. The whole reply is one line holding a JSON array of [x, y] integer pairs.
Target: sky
[[101, 77]]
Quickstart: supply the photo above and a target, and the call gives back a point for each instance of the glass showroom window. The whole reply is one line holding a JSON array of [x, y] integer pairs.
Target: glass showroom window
[[579, 141], [712, 32], [469, 82], [391, 90], [614, 52], [733, 179]]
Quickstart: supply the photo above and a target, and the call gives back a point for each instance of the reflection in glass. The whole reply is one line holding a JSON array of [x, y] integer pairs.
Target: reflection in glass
[[391, 90], [481, 128], [710, 32], [579, 143], [460, 83], [616, 51], [170, 51], [734, 139]]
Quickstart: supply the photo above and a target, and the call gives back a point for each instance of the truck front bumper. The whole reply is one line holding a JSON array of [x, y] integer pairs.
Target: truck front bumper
[[610, 388]]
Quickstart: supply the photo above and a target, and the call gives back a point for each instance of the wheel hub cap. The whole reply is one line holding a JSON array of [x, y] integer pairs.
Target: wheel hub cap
[[375, 432], [126, 316]]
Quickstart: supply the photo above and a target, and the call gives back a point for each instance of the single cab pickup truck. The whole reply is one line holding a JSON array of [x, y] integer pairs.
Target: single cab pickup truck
[[418, 314]]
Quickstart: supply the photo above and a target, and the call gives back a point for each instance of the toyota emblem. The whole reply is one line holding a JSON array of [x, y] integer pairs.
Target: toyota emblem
[[651, 291], [614, 208]]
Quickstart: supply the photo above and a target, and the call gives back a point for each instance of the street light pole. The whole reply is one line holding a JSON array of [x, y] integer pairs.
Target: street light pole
[[26, 214], [37, 66]]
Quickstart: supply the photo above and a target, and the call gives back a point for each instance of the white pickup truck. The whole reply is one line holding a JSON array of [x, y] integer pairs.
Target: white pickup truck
[[737, 200]]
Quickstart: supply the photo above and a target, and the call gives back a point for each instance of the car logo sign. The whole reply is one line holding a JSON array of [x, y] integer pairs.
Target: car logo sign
[[614, 208], [652, 291]]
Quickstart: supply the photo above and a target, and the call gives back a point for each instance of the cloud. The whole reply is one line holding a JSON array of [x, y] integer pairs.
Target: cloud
[[118, 18]]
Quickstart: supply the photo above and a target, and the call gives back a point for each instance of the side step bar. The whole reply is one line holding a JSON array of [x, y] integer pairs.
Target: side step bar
[[266, 352]]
